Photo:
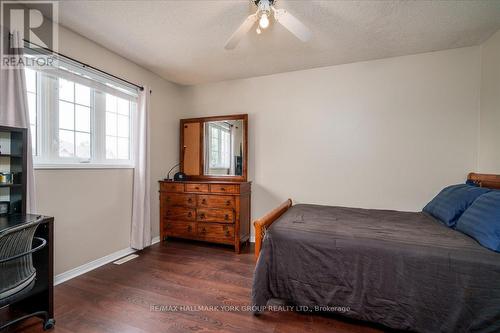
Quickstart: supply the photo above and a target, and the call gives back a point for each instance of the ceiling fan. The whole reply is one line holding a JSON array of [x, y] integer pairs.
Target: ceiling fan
[[266, 9]]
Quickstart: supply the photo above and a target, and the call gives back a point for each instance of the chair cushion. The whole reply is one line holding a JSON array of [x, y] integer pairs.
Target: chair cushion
[[481, 220], [452, 202]]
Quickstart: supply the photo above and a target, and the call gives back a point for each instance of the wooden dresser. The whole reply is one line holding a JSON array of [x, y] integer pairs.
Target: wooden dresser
[[212, 211]]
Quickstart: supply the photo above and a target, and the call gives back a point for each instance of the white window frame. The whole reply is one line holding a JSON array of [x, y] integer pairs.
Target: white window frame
[[48, 128], [220, 129]]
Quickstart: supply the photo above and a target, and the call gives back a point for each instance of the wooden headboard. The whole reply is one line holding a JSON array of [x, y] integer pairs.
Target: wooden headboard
[[484, 180]]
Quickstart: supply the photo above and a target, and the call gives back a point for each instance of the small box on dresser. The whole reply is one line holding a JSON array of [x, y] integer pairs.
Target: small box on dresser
[[211, 211]]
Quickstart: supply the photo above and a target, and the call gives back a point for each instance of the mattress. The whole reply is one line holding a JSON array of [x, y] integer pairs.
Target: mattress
[[404, 270]]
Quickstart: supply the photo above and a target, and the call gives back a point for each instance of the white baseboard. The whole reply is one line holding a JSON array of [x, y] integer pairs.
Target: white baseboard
[[72, 273], [155, 240]]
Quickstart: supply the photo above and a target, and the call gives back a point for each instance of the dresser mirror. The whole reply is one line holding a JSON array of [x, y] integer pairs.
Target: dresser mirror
[[214, 148]]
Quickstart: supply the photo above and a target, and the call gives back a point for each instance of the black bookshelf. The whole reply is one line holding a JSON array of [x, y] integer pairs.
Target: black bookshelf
[[14, 154]]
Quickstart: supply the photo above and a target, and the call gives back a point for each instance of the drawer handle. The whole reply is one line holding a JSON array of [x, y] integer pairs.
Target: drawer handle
[[167, 199], [222, 189], [189, 215], [196, 188], [168, 225], [190, 200], [189, 228], [202, 216], [228, 203], [226, 217], [227, 233], [204, 201], [203, 231]]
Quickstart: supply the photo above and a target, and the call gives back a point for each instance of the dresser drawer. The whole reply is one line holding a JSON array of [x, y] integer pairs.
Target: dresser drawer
[[186, 200], [215, 215], [215, 201], [180, 229], [215, 232], [223, 188], [172, 187], [197, 188], [180, 213]]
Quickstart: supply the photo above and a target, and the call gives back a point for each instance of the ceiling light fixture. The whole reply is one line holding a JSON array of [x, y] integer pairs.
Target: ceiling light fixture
[[264, 14], [264, 21]]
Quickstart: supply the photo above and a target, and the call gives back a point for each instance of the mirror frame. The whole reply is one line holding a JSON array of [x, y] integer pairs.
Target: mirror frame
[[202, 121]]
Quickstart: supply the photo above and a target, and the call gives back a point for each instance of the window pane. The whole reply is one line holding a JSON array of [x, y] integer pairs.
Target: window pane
[[66, 90], [123, 126], [111, 151], [225, 149], [110, 123], [110, 103], [82, 95], [123, 149], [66, 115], [66, 143], [82, 144], [123, 106], [32, 107], [30, 80], [82, 118]]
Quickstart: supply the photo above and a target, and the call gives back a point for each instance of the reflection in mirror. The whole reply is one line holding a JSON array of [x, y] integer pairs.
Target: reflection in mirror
[[224, 148]]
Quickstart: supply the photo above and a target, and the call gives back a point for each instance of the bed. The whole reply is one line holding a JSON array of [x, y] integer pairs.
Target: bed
[[404, 270]]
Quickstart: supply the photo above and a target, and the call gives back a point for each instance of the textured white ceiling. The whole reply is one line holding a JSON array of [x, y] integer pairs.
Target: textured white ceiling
[[183, 41]]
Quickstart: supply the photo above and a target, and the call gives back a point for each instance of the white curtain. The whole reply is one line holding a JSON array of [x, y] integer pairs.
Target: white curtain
[[141, 214], [14, 112]]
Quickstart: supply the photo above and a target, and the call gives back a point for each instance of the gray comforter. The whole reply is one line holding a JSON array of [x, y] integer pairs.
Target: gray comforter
[[404, 270]]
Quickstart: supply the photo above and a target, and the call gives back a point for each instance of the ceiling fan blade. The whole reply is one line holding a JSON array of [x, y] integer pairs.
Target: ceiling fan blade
[[292, 24], [242, 30]]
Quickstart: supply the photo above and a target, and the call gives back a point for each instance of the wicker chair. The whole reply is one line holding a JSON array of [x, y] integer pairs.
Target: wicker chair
[[17, 273]]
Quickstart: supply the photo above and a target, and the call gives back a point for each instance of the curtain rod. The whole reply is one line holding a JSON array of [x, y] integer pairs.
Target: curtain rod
[[86, 65]]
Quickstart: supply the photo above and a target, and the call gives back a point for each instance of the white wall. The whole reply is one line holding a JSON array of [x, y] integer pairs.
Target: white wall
[[92, 208], [380, 134], [489, 144]]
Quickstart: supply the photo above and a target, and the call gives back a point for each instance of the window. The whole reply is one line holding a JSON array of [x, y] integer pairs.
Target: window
[[78, 119], [220, 142], [74, 120], [117, 127]]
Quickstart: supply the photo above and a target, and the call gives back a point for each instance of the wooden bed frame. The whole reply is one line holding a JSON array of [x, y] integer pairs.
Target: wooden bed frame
[[262, 224], [484, 180]]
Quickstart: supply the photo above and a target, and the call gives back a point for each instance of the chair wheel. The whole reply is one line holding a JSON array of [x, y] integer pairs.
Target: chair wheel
[[49, 324]]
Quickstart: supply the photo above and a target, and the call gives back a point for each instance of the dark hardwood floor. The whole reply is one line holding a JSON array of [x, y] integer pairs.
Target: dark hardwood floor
[[118, 298]]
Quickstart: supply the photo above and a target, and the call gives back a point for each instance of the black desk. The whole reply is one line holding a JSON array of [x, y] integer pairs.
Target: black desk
[[41, 297]]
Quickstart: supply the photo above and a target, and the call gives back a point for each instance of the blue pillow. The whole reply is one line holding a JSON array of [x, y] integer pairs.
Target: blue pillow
[[471, 183], [482, 220], [451, 202]]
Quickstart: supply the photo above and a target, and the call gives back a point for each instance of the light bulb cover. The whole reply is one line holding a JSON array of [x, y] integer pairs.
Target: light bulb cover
[[264, 21]]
